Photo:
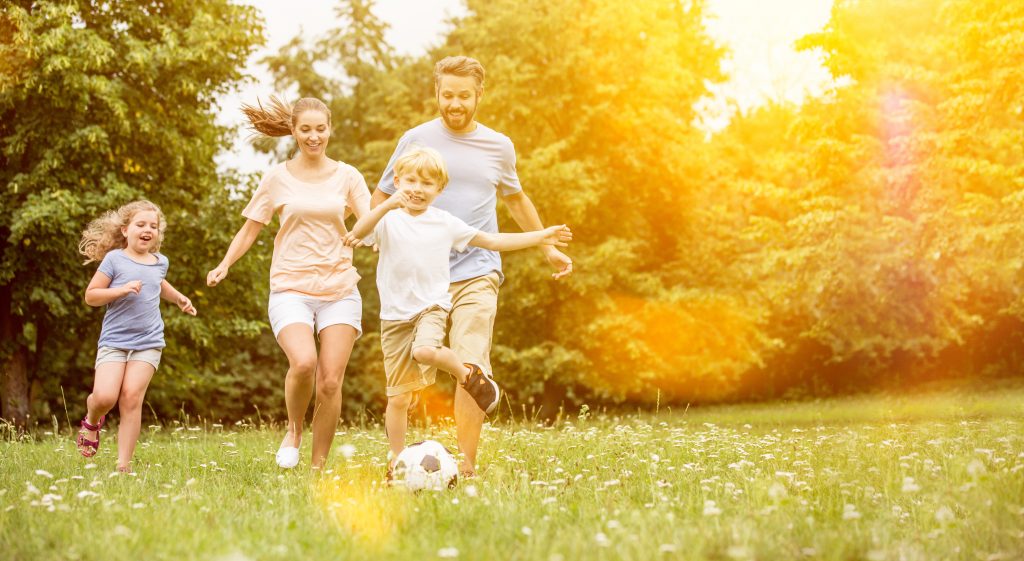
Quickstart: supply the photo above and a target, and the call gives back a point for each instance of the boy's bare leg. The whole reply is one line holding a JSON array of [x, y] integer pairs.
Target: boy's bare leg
[[396, 422], [442, 358]]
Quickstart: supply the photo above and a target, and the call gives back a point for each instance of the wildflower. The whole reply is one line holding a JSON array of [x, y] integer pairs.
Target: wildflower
[[448, 553], [602, 540], [710, 509], [527, 531], [850, 512], [471, 491], [347, 450], [944, 515], [909, 486], [44, 473]]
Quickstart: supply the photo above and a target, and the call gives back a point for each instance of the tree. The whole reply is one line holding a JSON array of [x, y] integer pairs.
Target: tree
[[102, 103]]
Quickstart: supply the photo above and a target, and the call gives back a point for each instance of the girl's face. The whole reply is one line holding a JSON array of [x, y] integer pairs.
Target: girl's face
[[142, 231], [311, 132]]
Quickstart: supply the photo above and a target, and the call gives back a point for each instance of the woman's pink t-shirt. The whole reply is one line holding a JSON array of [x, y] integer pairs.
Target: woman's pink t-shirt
[[309, 255]]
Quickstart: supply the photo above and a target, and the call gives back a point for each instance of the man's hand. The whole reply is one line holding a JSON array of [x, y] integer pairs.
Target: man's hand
[[560, 261], [557, 235]]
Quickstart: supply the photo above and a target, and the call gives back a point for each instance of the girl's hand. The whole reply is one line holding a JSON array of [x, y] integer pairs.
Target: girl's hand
[[216, 275], [131, 287], [557, 235], [186, 305]]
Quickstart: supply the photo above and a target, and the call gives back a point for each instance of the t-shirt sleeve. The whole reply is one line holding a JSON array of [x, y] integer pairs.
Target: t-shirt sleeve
[[261, 205], [387, 179], [107, 265], [460, 232], [358, 197], [165, 264], [509, 180]]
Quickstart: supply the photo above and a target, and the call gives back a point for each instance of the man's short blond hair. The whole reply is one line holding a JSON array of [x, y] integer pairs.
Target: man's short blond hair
[[459, 66], [424, 162]]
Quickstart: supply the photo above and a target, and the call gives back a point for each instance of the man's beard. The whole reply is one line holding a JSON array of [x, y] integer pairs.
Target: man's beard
[[458, 122]]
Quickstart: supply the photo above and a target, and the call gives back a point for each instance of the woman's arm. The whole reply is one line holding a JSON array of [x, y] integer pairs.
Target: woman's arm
[[241, 243]]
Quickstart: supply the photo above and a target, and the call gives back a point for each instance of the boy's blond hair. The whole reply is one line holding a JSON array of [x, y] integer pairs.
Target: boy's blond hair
[[424, 162]]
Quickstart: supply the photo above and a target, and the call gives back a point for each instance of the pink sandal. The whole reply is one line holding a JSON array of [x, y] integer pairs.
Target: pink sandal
[[86, 447]]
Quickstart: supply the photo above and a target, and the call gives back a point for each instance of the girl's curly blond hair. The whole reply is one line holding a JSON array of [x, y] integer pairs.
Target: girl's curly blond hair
[[104, 233]]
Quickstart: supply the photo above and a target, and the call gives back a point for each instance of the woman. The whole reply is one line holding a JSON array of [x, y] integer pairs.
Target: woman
[[313, 291]]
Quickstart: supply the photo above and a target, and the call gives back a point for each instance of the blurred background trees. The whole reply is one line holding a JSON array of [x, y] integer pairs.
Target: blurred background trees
[[867, 238]]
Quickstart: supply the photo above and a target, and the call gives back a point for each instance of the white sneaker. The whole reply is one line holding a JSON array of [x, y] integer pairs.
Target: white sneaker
[[287, 457]]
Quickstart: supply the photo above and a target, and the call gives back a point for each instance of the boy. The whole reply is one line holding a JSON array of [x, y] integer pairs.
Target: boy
[[413, 278]]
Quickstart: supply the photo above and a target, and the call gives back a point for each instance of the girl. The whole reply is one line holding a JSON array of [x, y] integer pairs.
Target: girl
[[130, 282], [313, 292]]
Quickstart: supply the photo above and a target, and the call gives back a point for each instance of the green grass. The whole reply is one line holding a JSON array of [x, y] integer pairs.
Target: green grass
[[937, 476]]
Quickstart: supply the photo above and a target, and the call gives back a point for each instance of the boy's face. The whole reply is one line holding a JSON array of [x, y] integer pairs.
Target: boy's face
[[422, 190]]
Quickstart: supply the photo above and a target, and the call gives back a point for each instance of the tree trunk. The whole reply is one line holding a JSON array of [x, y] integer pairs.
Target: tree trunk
[[14, 374]]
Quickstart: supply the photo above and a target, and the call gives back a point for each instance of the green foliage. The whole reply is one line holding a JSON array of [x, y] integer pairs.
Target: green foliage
[[103, 103]]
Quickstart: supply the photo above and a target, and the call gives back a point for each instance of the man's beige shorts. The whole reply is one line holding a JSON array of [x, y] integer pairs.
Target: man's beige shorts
[[471, 321], [399, 338]]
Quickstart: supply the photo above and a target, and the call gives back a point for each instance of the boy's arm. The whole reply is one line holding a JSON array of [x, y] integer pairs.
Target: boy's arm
[[369, 221], [171, 294], [551, 236]]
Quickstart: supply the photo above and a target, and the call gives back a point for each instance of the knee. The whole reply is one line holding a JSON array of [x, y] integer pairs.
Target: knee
[[103, 401], [303, 366], [400, 402], [424, 354], [131, 401], [329, 383]]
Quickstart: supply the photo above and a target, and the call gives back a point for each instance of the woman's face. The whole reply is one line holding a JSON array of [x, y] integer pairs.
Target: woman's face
[[311, 132]]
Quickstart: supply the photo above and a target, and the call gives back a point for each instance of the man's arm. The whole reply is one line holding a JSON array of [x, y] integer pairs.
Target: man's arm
[[525, 214]]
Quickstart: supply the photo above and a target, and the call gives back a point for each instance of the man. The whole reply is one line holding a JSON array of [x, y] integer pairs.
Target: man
[[481, 169]]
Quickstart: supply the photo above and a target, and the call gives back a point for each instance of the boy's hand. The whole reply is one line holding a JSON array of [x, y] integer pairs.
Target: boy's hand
[[398, 200], [216, 275], [131, 287], [557, 235], [186, 305], [352, 241]]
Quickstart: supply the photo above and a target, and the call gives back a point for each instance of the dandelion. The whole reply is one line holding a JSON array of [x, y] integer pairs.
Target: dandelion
[[347, 451], [471, 491], [448, 553]]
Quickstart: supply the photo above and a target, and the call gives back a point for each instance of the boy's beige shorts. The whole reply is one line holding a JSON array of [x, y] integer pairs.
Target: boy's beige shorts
[[469, 324]]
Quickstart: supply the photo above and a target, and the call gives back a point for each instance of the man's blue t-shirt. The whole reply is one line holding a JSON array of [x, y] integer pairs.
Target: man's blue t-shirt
[[479, 163], [133, 322]]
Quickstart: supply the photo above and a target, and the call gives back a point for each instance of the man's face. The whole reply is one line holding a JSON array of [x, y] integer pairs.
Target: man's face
[[457, 99]]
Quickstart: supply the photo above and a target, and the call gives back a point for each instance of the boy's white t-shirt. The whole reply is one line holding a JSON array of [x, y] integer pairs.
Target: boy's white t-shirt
[[413, 272]]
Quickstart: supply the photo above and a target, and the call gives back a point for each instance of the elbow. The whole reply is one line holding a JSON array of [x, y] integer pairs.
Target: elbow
[[90, 301]]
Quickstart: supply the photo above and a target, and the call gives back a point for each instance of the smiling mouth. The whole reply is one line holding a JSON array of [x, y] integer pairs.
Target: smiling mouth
[[146, 237]]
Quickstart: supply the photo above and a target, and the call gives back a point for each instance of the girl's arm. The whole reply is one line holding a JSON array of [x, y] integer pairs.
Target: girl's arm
[[99, 293], [368, 221], [239, 245], [171, 294], [552, 235]]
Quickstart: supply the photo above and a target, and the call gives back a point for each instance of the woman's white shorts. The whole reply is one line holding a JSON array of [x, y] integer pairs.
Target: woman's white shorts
[[286, 308]]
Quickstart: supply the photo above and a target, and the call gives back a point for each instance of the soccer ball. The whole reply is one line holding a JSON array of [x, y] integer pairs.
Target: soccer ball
[[426, 465]]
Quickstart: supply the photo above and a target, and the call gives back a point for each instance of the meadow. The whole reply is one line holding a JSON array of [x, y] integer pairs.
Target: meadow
[[883, 477]]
